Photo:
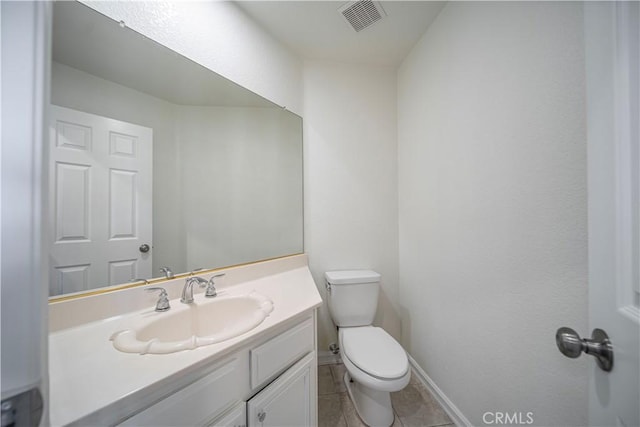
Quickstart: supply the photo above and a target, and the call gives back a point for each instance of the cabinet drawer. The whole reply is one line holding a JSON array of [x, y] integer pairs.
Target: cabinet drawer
[[201, 401], [237, 417], [277, 354]]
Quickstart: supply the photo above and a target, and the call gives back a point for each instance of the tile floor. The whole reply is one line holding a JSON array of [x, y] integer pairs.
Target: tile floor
[[413, 407]]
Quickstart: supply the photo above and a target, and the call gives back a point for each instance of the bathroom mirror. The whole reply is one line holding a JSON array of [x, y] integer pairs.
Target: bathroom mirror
[[155, 161]]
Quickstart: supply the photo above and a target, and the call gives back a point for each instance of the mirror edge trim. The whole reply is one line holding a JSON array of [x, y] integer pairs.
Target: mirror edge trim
[[141, 283]]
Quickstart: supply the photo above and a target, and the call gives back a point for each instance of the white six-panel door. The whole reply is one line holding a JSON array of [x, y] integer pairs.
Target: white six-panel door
[[612, 41], [100, 197]]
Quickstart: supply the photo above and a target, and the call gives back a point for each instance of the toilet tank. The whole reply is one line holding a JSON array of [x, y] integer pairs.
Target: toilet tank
[[352, 296]]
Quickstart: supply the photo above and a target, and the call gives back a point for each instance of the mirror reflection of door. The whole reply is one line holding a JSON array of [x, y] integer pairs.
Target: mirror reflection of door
[[100, 200]]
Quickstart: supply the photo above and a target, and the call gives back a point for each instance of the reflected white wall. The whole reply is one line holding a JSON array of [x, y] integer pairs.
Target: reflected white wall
[[241, 180]]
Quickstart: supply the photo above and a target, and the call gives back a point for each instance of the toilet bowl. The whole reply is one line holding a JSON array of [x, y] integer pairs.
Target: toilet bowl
[[376, 363]]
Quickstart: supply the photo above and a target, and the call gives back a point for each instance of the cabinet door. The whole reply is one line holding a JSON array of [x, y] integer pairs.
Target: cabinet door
[[288, 401]]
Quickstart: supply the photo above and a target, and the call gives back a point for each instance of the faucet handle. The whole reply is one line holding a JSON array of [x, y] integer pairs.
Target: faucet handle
[[211, 292], [163, 298]]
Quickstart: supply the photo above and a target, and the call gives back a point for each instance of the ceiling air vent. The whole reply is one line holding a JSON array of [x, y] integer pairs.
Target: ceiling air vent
[[362, 14]]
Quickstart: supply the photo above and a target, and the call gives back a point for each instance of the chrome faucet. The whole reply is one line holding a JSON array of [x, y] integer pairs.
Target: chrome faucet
[[168, 274], [187, 291]]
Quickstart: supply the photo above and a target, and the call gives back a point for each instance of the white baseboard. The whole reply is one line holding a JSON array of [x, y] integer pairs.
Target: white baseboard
[[454, 413], [325, 357]]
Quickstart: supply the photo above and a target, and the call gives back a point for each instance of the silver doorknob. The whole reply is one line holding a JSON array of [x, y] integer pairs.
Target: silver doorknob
[[144, 248], [571, 345]]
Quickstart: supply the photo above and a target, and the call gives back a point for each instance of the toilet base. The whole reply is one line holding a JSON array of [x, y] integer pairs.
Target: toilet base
[[372, 406]]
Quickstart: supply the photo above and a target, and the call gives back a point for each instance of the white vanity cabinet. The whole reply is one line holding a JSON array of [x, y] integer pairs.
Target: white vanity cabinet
[[288, 401], [270, 383]]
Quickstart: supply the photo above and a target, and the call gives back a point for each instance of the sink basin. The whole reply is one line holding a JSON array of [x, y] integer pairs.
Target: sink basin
[[188, 326]]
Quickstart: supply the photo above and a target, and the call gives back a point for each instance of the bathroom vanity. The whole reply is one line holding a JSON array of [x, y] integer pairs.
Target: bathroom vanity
[[266, 376]]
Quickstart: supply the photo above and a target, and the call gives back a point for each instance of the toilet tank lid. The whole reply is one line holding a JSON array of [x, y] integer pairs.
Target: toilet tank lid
[[345, 277]]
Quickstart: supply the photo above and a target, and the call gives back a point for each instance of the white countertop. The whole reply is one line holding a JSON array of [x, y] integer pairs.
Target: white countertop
[[87, 375]]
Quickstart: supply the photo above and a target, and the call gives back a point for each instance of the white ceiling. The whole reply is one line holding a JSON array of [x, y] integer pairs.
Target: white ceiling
[[316, 30]]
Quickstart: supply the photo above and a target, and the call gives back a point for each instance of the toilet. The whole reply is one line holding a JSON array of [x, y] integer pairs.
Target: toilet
[[376, 364]]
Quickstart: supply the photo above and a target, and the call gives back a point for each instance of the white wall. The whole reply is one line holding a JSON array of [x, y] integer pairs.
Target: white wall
[[493, 209], [219, 36], [351, 180]]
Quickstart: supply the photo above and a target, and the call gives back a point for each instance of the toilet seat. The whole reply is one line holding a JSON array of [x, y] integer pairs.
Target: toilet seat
[[375, 352], [364, 377]]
